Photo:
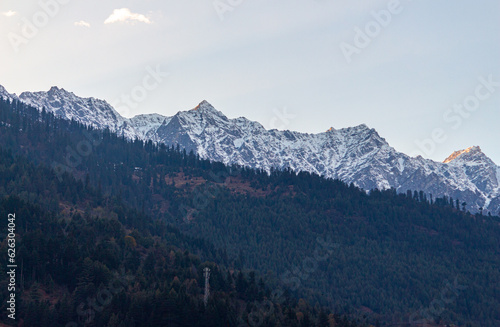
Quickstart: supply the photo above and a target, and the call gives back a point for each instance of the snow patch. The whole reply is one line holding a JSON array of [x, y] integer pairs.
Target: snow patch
[[401, 162], [486, 203], [238, 143]]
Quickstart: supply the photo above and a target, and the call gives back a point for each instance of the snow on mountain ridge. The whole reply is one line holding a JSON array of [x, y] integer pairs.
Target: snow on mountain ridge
[[6, 95], [146, 125], [97, 113], [3, 93], [461, 153], [91, 111], [353, 154]]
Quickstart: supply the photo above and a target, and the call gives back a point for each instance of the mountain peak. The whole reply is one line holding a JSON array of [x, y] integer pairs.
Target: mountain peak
[[4, 94], [206, 109], [58, 90], [471, 151], [204, 106]]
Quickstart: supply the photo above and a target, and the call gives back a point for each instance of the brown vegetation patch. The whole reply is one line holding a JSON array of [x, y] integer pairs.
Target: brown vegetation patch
[[184, 181]]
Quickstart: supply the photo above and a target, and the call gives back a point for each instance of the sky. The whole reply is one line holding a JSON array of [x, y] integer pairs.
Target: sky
[[425, 74]]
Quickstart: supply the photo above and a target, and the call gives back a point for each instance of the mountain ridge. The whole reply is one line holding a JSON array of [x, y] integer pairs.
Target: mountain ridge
[[390, 253], [356, 154]]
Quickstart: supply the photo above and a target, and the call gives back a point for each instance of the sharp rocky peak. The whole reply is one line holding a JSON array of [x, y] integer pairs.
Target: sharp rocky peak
[[4, 94], [204, 111], [205, 107], [55, 89], [356, 129], [362, 132], [466, 154]]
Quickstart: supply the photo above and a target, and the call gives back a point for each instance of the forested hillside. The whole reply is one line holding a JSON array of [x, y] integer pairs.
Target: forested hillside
[[91, 260], [383, 255]]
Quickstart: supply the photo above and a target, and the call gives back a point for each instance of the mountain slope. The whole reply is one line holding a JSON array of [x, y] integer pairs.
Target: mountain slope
[[6, 95], [95, 260], [90, 111], [381, 252], [356, 155]]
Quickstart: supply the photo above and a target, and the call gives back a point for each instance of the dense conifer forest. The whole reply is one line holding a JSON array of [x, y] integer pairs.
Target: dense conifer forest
[[99, 213]]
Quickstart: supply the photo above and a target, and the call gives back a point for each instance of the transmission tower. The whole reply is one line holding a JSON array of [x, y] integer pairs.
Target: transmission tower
[[206, 272]]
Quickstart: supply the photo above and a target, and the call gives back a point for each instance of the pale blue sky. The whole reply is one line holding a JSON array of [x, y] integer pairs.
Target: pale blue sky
[[259, 57]]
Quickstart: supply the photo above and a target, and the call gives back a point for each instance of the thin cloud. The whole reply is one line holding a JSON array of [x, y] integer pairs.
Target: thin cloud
[[125, 15], [9, 13], [82, 23]]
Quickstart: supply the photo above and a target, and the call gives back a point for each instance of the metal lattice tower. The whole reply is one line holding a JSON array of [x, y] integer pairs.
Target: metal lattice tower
[[206, 272]]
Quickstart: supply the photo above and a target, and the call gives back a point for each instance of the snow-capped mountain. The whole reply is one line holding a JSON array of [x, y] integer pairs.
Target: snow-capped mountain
[[356, 154], [6, 95], [94, 112], [91, 111]]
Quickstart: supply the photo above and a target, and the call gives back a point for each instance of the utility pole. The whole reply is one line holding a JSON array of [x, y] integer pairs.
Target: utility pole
[[206, 273]]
